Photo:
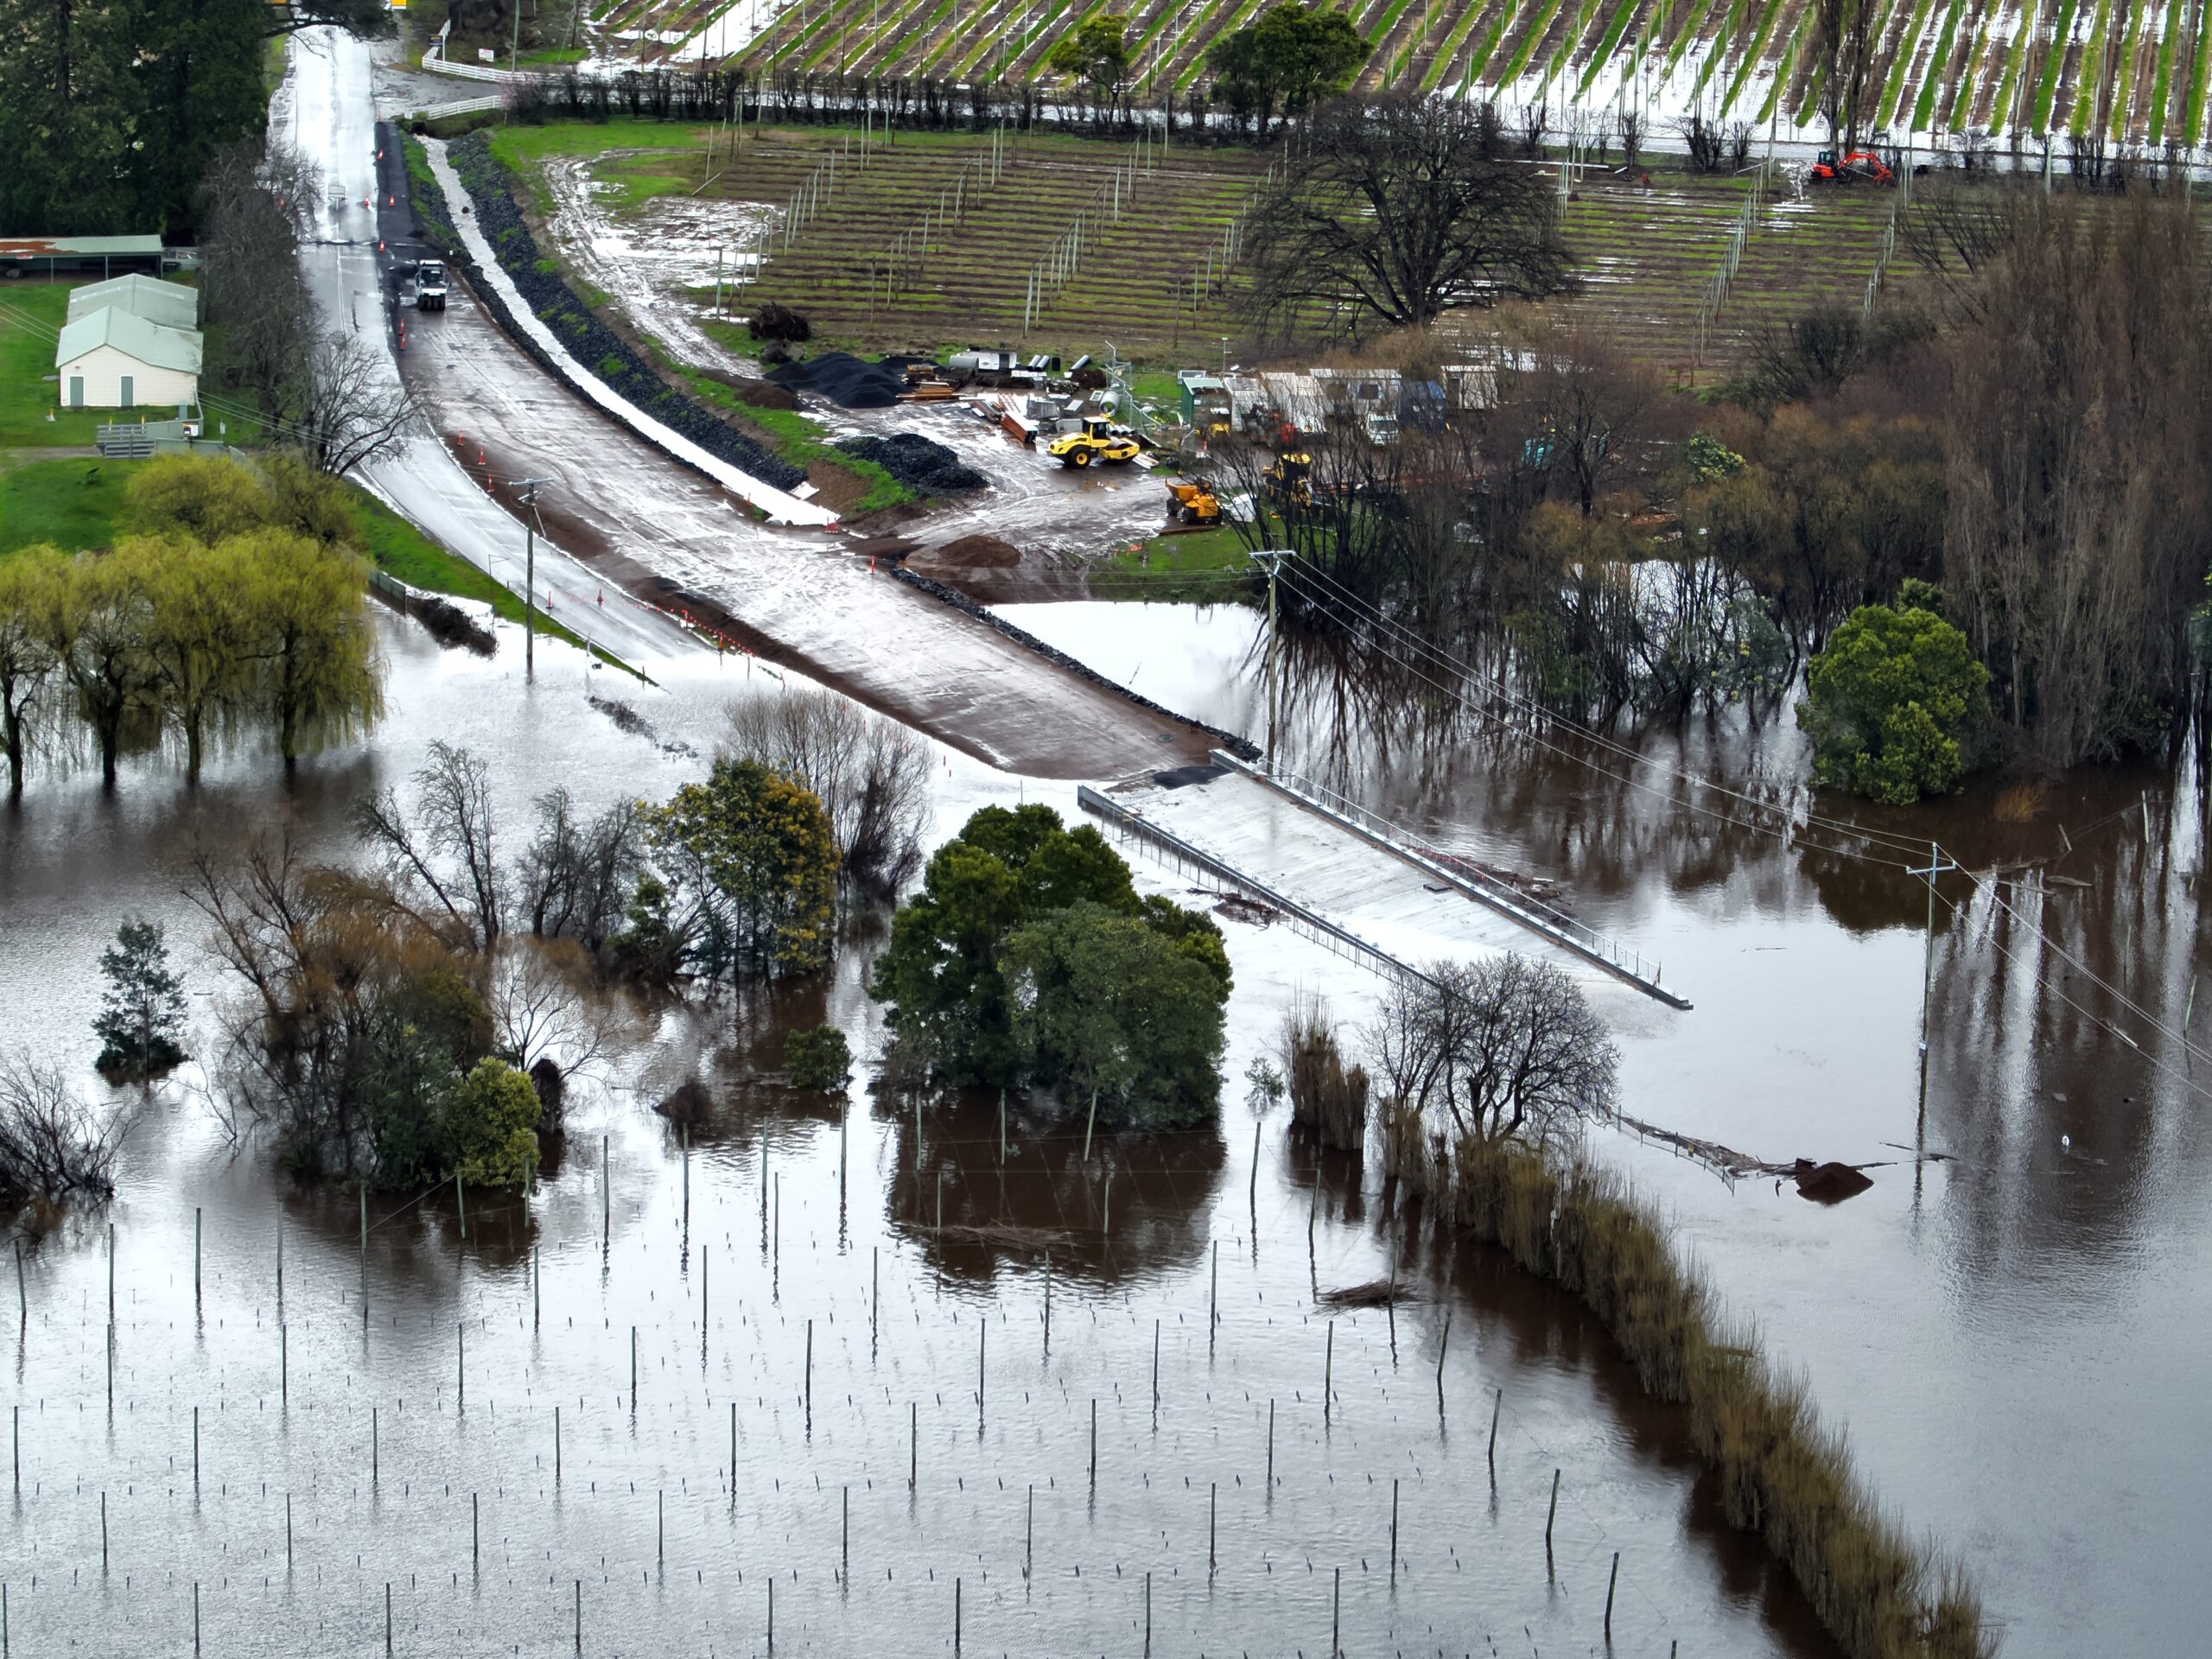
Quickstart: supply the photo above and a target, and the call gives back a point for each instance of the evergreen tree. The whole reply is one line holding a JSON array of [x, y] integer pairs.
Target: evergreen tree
[[142, 1015], [65, 103], [200, 86]]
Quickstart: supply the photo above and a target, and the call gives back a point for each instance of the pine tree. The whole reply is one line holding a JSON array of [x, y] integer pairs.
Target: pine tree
[[142, 1016]]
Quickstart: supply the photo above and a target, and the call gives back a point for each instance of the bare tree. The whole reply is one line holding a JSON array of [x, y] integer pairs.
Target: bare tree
[[1392, 208], [872, 775], [1590, 400], [545, 1019], [53, 1144], [341, 404], [256, 208], [2078, 444], [441, 857], [1846, 33], [1508, 1046], [575, 877]]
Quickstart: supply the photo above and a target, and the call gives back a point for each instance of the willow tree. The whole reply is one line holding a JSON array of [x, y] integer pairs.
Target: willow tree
[[27, 661], [320, 681], [92, 615], [200, 638]]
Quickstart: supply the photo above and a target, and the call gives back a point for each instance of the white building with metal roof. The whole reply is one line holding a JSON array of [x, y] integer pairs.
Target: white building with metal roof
[[172, 305], [115, 359]]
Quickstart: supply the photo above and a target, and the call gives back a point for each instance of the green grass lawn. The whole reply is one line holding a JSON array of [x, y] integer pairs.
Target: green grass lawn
[[31, 314], [75, 504], [1197, 566], [405, 554], [632, 179]]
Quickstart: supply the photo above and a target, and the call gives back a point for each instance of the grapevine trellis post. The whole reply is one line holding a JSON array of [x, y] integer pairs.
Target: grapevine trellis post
[[1732, 259]]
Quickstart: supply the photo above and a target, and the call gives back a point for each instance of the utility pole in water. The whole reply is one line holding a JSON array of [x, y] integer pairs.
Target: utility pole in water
[[1937, 865], [528, 498]]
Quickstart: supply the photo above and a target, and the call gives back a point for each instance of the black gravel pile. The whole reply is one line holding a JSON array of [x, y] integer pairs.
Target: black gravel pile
[[918, 462], [847, 381], [589, 340]]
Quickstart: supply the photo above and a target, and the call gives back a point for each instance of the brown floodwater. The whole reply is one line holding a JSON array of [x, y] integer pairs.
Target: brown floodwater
[[789, 1342], [2013, 1329]]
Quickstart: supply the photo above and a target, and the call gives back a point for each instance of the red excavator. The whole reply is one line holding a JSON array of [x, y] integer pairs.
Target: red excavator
[[1862, 165]]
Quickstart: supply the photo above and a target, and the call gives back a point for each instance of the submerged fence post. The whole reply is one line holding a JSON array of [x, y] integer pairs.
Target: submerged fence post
[[1443, 1347], [1328, 1368], [1393, 1532]]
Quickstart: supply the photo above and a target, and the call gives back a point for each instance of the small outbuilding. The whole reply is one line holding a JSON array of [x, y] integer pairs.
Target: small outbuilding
[[112, 358]]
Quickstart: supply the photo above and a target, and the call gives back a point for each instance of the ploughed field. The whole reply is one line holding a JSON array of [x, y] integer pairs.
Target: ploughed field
[[2132, 71]]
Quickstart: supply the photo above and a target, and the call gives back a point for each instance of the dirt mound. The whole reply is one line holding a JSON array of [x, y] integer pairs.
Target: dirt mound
[[977, 553], [847, 381], [759, 394], [918, 462]]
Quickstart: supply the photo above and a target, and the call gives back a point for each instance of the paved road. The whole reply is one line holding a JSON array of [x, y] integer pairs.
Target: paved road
[[622, 513], [324, 110]]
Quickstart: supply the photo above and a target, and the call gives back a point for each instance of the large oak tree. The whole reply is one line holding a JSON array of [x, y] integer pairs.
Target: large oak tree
[[1387, 211]]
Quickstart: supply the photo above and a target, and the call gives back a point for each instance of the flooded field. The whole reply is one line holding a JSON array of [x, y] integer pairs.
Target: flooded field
[[853, 1354], [2011, 1334]]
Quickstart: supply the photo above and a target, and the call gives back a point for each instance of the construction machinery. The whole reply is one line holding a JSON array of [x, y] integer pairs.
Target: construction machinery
[[1862, 165], [1095, 441], [1287, 484], [430, 285], [1192, 504]]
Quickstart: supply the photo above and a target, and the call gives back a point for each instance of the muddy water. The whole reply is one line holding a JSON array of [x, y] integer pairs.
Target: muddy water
[[400, 1400], [2013, 1335]]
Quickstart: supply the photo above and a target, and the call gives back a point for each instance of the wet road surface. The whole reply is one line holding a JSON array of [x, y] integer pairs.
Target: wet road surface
[[627, 514]]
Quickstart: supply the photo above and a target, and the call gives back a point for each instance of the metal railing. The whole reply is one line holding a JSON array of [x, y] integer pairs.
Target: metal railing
[[1623, 961], [1319, 928]]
